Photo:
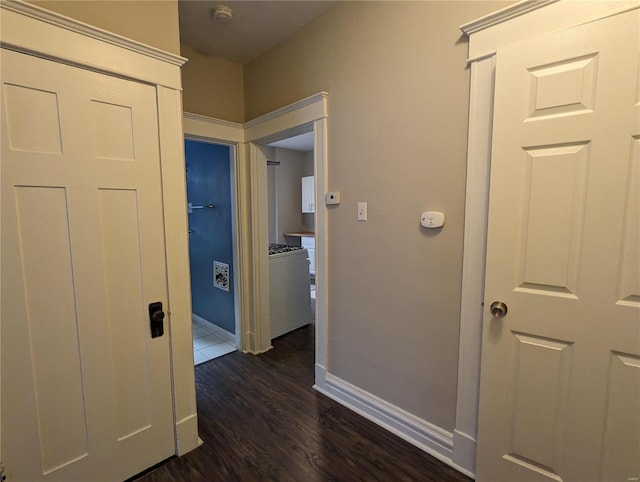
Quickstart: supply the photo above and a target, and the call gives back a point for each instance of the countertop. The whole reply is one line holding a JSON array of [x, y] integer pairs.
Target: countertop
[[301, 234]]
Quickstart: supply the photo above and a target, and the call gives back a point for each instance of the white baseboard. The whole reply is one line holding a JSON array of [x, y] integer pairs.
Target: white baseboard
[[221, 332], [187, 435], [428, 437]]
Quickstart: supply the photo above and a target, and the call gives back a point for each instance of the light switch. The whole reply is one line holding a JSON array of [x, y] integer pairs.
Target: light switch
[[362, 211]]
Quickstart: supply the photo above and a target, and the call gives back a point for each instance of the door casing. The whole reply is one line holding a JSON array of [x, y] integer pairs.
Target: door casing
[[309, 114]]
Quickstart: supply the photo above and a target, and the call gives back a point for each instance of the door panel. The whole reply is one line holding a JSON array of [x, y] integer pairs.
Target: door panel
[[621, 416], [112, 130], [37, 109], [560, 375], [86, 393], [123, 279], [554, 190], [540, 370], [52, 325], [629, 280]]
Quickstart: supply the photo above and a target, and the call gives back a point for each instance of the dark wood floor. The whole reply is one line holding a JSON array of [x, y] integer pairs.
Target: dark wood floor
[[261, 421]]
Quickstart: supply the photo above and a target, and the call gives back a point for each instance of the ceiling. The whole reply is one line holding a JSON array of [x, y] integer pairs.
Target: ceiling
[[302, 142], [256, 26]]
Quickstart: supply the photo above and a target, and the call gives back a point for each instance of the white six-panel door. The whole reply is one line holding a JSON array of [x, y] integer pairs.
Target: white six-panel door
[[86, 392], [560, 378]]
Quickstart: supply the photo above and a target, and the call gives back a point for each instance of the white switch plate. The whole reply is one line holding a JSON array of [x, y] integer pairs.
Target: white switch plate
[[332, 197], [362, 211]]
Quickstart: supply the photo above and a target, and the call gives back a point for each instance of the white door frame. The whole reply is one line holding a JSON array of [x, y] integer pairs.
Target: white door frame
[[33, 30], [205, 129], [254, 334], [307, 114], [518, 22]]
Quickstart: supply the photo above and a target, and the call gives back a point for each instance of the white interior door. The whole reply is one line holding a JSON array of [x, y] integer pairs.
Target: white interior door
[[560, 380], [86, 392]]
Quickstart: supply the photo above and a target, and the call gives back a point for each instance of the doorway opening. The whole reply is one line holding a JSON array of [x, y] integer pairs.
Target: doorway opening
[[249, 144], [291, 227], [210, 208]]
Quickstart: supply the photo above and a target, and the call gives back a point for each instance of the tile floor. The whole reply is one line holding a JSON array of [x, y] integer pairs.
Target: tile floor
[[206, 344]]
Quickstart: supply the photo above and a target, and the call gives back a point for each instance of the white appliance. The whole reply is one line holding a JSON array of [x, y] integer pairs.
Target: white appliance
[[289, 288], [309, 243]]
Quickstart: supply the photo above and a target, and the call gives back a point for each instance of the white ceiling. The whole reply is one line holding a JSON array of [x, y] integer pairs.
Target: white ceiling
[[256, 26], [303, 142]]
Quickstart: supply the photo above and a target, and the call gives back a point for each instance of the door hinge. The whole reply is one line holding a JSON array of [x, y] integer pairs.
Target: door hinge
[[3, 476]]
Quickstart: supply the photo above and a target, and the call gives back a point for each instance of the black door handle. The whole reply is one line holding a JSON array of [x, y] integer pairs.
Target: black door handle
[[156, 317]]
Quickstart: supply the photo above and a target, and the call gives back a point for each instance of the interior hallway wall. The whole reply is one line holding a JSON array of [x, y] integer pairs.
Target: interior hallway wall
[[212, 87], [398, 98], [149, 22]]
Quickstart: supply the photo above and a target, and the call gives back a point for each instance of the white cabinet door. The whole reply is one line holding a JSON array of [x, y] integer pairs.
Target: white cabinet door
[[86, 392], [308, 195], [560, 382]]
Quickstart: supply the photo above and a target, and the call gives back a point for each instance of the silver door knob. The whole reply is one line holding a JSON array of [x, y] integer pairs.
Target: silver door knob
[[498, 309]]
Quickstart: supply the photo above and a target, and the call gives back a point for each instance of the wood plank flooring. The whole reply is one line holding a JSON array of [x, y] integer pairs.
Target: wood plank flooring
[[261, 420]]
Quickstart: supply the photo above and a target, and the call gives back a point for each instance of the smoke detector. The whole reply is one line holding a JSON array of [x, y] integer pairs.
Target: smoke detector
[[223, 14]]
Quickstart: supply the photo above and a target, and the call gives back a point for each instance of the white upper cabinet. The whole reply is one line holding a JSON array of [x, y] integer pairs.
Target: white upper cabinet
[[308, 195]]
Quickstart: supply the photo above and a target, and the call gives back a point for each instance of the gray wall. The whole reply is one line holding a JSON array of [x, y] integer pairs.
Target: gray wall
[[398, 98], [212, 86], [152, 23]]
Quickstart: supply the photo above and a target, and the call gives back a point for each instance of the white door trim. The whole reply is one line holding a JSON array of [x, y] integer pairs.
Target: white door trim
[[200, 126], [207, 129], [290, 120], [474, 252], [509, 25], [529, 18], [32, 30]]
